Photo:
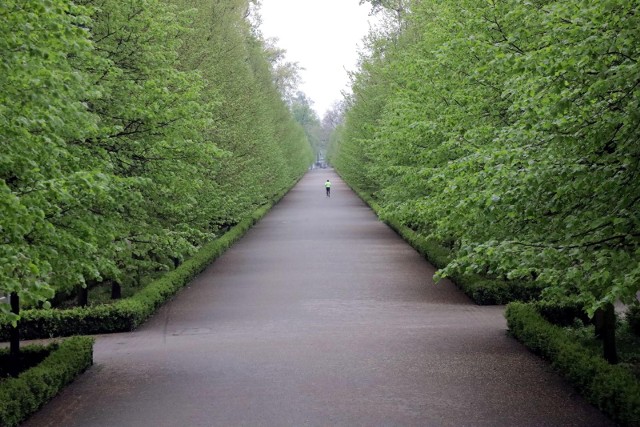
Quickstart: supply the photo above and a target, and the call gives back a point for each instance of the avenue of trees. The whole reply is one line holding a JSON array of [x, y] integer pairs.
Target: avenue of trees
[[133, 132], [508, 131]]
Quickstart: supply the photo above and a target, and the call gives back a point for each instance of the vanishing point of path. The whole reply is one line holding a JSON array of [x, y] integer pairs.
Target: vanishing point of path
[[319, 316]]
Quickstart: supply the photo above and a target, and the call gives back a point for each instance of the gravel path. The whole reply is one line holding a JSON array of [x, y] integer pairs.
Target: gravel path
[[319, 316]]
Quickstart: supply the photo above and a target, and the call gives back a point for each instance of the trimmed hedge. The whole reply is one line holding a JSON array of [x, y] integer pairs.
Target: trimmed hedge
[[22, 396], [611, 388], [481, 290], [129, 313]]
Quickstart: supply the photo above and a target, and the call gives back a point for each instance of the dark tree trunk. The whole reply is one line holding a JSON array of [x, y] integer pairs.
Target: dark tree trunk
[[83, 296], [116, 290], [598, 323], [83, 293], [605, 328], [14, 338], [176, 262]]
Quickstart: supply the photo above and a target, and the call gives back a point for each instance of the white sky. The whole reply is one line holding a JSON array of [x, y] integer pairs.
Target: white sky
[[323, 36]]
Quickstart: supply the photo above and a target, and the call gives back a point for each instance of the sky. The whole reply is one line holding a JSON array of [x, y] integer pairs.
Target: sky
[[323, 36]]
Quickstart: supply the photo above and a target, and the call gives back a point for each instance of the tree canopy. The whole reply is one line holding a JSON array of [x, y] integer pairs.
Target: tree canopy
[[132, 133], [508, 131]]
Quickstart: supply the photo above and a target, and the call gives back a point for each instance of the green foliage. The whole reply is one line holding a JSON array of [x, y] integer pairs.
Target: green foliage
[[508, 133], [611, 388], [127, 314], [22, 396], [250, 121], [133, 132], [41, 109], [481, 290], [149, 141], [305, 116]]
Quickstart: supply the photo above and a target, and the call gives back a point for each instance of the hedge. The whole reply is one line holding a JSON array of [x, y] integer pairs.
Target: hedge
[[22, 396], [611, 388], [481, 290], [127, 314]]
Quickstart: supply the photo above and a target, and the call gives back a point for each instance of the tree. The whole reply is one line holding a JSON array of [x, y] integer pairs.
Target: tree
[[328, 126], [286, 74], [305, 115], [41, 108], [399, 7], [132, 133], [508, 131], [145, 139]]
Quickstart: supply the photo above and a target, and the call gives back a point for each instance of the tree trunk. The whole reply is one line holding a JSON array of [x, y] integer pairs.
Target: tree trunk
[[116, 290], [176, 262], [14, 338], [598, 323], [83, 296], [605, 328]]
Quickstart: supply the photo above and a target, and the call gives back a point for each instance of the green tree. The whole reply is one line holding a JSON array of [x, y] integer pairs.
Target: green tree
[[248, 115], [150, 140], [133, 132], [41, 109], [303, 113], [508, 131]]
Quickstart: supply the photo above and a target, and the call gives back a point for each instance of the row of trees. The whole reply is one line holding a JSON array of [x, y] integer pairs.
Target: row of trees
[[318, 131], [131, 133], [508, 131]]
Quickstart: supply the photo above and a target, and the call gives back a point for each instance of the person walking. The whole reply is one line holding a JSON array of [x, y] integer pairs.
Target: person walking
[[327, 186]]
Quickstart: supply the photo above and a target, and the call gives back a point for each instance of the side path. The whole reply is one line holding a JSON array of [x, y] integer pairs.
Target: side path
[[319, 316]]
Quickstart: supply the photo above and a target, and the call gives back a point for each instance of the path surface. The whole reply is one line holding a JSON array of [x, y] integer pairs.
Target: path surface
[[319, 316]]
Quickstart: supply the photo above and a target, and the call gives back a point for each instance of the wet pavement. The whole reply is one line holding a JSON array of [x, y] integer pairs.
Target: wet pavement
[[320, 316]]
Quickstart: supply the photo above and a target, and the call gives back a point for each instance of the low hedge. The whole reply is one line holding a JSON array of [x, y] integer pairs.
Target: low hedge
[[481, 290], [22, 396], [127, 314], [613, 389]]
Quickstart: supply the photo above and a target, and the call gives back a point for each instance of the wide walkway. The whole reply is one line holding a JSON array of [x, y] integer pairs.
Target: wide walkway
[[319, 316]]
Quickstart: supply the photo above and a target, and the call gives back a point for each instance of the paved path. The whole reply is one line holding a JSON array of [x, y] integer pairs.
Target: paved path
[[319, 316]]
